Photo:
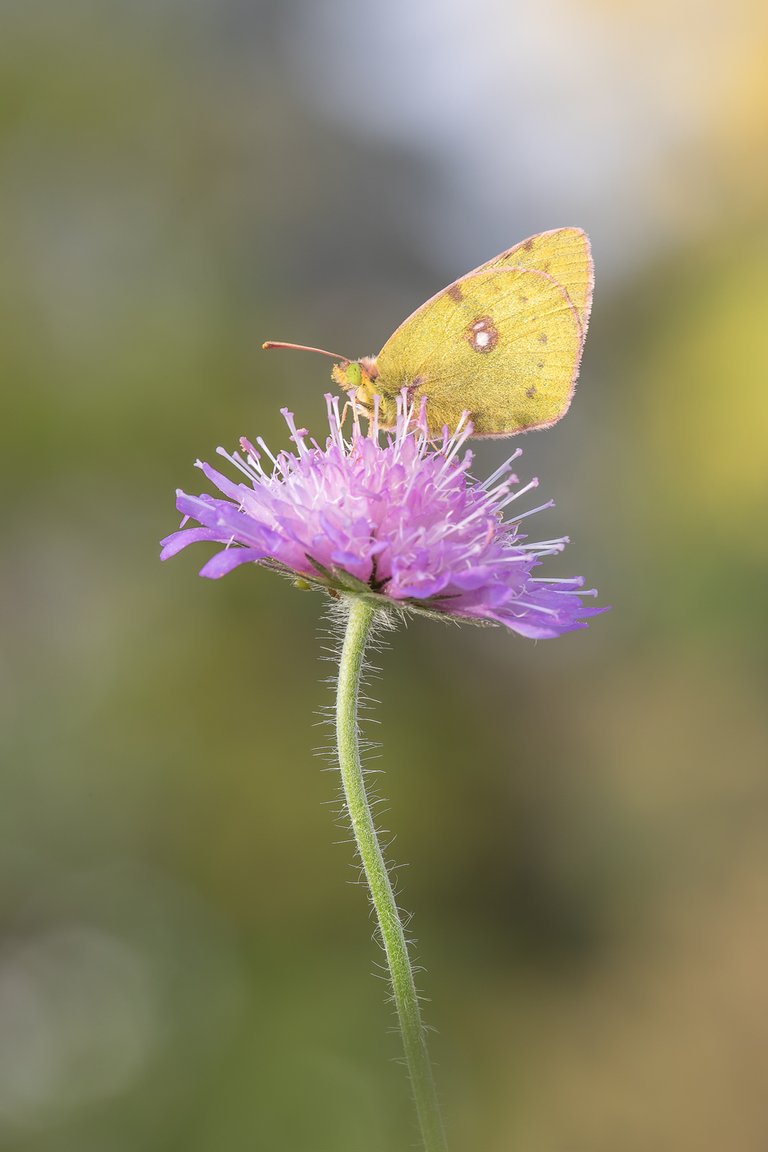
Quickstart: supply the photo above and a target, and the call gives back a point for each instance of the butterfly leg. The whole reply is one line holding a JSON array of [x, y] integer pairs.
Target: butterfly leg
[[349, 406]]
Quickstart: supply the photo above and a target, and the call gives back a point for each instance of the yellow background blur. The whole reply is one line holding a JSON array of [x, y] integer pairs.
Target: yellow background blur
[[184, 963]]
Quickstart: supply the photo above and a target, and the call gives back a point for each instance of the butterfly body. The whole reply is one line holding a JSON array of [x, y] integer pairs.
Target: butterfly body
[[502, 343]]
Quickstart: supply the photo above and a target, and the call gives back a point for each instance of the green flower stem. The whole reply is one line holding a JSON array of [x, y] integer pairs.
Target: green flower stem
[[358, 629]]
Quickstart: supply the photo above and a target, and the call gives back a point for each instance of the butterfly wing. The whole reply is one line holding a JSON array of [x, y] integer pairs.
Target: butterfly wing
[[503, 343], [565, 255]]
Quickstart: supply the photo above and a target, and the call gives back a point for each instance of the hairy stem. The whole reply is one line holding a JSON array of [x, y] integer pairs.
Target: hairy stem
[[406, 999]]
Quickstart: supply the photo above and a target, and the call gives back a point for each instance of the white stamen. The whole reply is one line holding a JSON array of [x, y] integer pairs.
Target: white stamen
[[501, 471], [532, 511], [534, 483], [520, 559], [242, 466], [547, 548], [512, 495], [534, 607], [263, 445], [459, 439], [561, 540], [555, 580]]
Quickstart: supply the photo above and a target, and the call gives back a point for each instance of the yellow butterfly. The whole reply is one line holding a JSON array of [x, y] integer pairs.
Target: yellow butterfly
[[503, 342]]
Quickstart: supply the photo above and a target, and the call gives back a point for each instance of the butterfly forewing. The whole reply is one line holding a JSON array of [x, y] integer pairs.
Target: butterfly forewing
[[565, 255], [503, 343]]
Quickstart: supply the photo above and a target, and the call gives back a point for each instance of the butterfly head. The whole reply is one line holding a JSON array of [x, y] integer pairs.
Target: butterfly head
[[359, 378]]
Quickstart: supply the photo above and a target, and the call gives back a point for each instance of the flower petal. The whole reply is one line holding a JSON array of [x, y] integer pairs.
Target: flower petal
[[226, 561], [174, 543]]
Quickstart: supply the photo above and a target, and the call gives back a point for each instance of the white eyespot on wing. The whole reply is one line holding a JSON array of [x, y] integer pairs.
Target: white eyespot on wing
[[482, 334]]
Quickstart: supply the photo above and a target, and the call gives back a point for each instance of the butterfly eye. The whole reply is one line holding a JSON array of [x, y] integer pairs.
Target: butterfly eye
[[348, 375], [354, 375]]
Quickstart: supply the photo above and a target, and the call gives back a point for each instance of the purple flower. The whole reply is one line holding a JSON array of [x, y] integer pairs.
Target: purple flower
[[400, 521]]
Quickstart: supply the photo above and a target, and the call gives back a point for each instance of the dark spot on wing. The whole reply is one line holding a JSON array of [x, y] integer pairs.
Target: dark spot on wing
[[531, 392], [539, 363], [456, 293], [543, 338], [482, 334], [528, 245]]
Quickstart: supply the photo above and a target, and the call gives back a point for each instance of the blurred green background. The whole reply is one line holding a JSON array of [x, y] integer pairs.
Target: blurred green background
[[184, 963]]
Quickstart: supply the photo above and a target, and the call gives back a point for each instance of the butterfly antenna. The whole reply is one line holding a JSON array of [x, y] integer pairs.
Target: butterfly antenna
[[302, 348]]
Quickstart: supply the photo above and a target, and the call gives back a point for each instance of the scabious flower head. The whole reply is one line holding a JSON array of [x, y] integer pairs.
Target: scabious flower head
[[399, 519]]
